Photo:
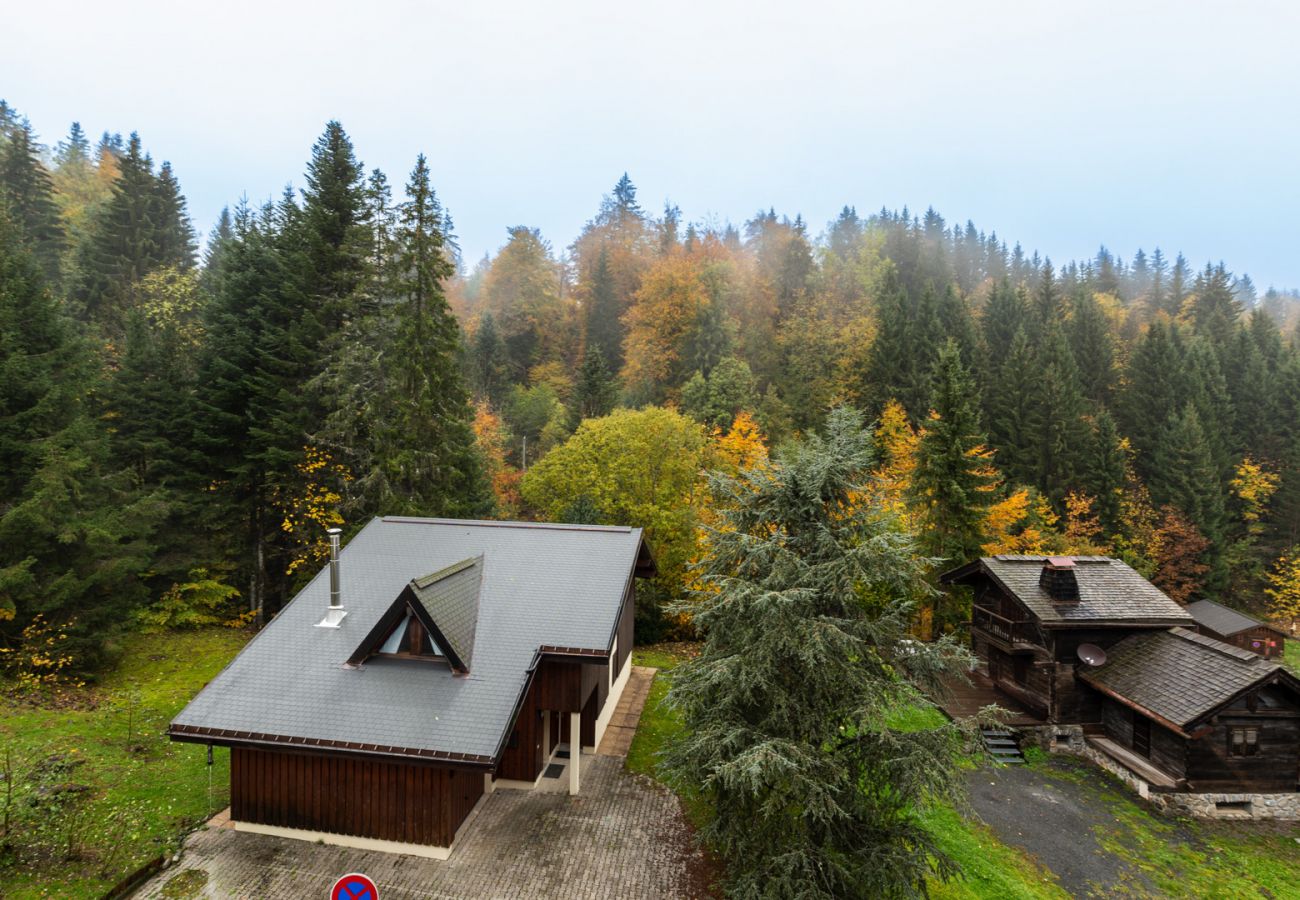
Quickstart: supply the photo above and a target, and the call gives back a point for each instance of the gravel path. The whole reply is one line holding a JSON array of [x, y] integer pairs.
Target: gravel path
[[1054, 819]]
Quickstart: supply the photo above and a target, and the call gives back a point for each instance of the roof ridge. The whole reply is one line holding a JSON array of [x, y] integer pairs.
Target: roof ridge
[[424, 581], [492, 523], [1219, 646]]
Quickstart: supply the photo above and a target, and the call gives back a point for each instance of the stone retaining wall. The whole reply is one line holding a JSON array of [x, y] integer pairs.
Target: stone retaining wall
[[1070, 739]]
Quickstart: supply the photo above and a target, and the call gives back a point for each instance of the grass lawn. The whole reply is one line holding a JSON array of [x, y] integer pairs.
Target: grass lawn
[[143, 790]]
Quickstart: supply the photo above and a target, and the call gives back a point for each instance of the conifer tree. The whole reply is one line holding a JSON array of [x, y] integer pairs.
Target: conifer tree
[[336, 239], [1015, 411], [142, 227], [177, 242], [602, 320], [1184, 473], [41, 368], [27, 192], [489, 365], [425, 444], [954, 479], [1106, 472], [806, 598], [596, 391], [1092, 348], [1063, 434]]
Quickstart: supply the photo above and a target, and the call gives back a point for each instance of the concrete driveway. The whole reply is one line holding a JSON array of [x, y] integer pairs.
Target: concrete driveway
[[624, 836]]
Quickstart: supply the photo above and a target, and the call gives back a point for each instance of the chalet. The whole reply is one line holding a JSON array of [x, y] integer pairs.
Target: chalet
[[431, 662], [1234, 627], [1092, 658]]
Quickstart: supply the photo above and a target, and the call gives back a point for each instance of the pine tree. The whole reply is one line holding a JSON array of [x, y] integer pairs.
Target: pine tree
[[954, 480], [27, 192], [788, 707], [596, 391]]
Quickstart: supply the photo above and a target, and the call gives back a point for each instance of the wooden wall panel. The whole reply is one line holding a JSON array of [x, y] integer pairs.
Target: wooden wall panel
[[416, 804]]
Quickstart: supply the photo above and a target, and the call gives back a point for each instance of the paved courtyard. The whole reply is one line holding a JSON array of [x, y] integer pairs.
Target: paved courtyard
[[624, 836]]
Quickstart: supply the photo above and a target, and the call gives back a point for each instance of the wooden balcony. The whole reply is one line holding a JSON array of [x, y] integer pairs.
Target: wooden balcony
[[1015, 635]]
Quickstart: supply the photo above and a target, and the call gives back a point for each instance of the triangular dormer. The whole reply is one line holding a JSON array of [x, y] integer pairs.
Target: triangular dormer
[[435, 617]]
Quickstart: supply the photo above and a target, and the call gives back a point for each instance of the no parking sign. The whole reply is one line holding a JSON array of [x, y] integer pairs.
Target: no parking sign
[[354, 886]]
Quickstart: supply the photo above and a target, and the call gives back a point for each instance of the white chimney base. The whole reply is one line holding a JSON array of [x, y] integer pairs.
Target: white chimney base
[[333, 616]]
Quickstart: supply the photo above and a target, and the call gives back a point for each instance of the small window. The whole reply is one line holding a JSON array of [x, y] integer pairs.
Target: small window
[[1243, 741], [613, 662]]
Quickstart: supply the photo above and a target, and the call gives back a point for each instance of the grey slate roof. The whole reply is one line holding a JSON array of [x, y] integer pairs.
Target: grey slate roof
[[1109, 590], [1177, 674], [1222, 620], [539, 585], [451, 598]]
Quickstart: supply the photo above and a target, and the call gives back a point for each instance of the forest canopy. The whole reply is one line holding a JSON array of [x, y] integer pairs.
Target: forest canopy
[[180, 423]]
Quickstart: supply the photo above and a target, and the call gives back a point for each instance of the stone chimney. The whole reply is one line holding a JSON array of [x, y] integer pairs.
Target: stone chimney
[[1058, 579], [335, 612]]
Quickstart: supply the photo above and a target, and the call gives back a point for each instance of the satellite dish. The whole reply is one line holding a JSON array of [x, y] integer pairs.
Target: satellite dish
[[1092, 654]]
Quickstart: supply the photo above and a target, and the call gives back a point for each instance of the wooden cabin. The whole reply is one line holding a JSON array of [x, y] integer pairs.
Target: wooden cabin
[[1030, 614], [1209, 716], [1234, 627], [431, 662], [1177, 710]]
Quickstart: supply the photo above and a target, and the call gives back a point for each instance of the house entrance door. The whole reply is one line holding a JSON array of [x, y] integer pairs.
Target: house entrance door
[[1141, 735]]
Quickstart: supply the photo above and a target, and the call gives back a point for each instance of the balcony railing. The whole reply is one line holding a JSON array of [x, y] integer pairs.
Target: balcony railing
[[1006, 630]]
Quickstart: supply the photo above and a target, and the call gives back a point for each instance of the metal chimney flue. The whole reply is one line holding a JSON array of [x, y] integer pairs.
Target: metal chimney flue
[[335, 613]]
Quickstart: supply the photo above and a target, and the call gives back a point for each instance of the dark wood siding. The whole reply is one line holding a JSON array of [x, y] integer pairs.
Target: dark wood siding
[[521, 760], [1263, 640], [391, 801], [1167, 749]]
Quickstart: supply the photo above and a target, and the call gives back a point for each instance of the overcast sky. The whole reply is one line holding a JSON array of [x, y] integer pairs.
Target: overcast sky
[[1062, 125]]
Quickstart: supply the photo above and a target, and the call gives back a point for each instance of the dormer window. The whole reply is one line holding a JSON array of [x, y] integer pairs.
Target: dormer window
[[410, 638], [434, 618]]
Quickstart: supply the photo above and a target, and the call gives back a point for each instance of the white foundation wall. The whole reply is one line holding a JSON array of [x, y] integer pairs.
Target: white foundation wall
[[611, 701]]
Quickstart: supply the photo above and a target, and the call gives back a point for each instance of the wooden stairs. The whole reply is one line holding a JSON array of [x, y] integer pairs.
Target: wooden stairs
[[1002, 746]]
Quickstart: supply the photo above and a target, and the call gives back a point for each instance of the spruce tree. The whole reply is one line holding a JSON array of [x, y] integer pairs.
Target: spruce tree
[[596, 391], [424, 443], [604, 326], [1185, 475], [26, 189], [488, 362], [335, 238], [1092, 348], [807, 595], [42, 366], [1063, 436], [1015, 411], [177, 244], [142, 227], [954, 481], [1106, 472]]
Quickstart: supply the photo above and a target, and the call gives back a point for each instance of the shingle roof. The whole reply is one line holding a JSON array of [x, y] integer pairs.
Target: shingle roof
[[451, 598], [1178, 675], [1109, 590], [1221, 619], [539, 585]]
